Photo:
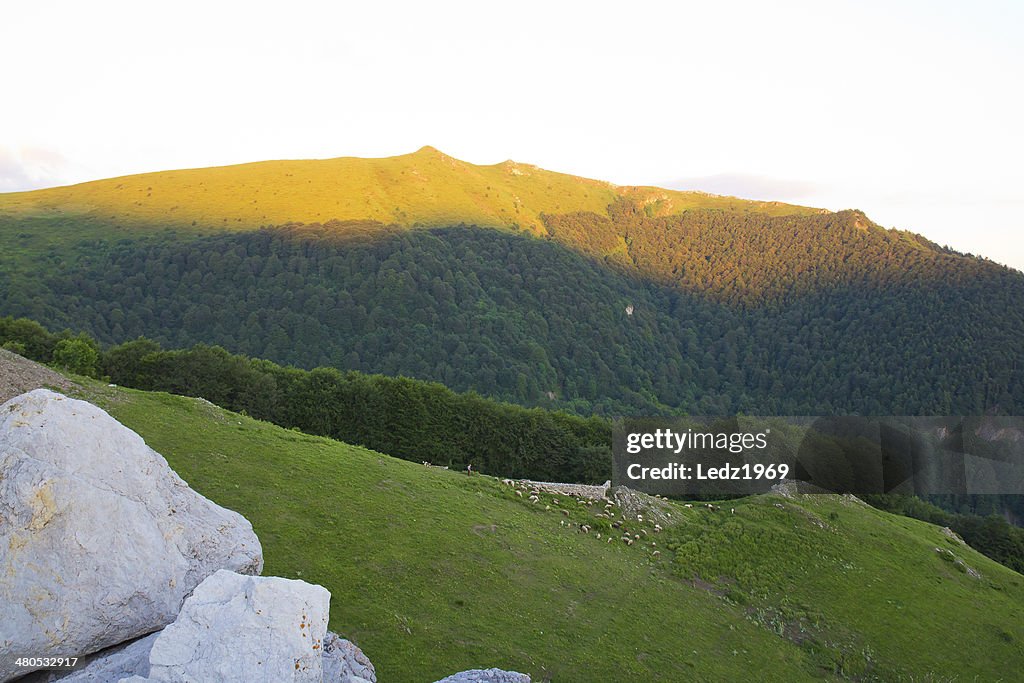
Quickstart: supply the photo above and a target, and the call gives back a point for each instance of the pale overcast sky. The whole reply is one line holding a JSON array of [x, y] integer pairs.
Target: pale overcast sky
[[910, 111]]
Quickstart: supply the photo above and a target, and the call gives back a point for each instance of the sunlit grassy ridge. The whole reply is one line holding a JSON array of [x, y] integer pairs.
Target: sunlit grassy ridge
[[426, 188], [432, 571]]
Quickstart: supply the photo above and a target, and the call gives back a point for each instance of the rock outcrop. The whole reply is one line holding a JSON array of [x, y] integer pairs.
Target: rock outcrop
[[344, 662], [486, 676], [633, 503], [244, 628], [101, 540]]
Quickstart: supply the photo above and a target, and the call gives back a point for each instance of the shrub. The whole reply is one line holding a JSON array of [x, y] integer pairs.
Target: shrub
[[76, 355], [15, 347]]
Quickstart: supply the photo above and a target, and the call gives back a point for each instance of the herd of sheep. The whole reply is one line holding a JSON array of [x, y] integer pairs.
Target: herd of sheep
[[616, 519]]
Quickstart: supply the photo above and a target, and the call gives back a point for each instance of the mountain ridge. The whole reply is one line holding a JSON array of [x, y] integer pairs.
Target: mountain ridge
[[426, 188]]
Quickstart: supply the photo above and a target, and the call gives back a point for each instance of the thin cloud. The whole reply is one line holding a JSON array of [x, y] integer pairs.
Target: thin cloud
[[749, 186], [29, 168]]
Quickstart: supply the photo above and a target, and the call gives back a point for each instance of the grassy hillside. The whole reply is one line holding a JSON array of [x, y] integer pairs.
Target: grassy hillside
[[425, 188], [432, 571]]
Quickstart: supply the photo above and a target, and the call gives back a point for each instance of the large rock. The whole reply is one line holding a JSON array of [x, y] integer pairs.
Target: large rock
[[344, 662], [486, 676], [100, 541], [244, 629]]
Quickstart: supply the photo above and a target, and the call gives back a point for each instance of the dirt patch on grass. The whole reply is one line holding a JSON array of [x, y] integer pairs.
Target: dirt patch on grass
[[698, 582], [18, 375]]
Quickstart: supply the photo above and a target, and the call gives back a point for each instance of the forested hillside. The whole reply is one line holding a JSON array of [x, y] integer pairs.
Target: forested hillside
[[753, 259], [900, 331]]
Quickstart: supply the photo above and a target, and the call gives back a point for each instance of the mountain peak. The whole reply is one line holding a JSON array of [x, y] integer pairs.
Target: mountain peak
[[427, 150]]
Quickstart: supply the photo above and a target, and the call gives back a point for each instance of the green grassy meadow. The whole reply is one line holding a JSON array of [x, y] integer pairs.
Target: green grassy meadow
[[432, 571]]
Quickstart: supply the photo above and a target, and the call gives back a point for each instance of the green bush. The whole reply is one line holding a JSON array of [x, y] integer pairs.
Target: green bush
[[15, 347], [36, 341], [76, 355]]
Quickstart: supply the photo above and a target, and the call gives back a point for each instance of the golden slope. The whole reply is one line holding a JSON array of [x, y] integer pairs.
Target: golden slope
[[425, 188]]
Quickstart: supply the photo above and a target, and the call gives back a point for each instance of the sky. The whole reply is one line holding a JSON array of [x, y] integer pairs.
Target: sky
[[910, 111]]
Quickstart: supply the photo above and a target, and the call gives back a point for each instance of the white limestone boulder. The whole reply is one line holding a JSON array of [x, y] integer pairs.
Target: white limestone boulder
[[486, 676], [100, 541], [244, 629]]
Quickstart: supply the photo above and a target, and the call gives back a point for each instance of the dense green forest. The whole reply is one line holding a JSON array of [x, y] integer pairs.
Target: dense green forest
[[754, 260], [705, 313]]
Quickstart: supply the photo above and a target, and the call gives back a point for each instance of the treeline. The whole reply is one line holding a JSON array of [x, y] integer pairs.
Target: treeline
[[414, 420]]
